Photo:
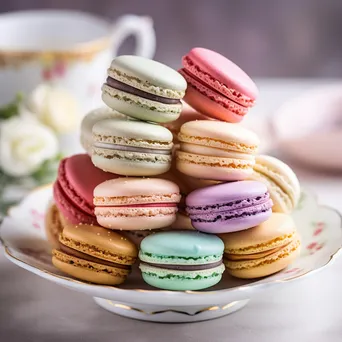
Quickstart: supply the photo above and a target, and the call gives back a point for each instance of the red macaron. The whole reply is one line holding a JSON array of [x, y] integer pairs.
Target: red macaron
[[73, 189]]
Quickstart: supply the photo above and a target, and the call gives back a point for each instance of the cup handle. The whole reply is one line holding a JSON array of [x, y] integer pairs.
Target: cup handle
[[141, 28]]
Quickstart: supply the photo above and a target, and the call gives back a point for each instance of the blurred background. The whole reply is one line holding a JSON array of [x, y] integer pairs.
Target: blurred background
[[268, 38]]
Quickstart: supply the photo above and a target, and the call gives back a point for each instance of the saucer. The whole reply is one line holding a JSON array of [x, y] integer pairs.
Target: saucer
[[24, 242]]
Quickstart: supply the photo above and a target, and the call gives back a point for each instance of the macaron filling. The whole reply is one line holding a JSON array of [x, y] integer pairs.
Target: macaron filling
[[132, 148], [113, 83], [164, 273], [184, 267], [231, 210], [84, 256]]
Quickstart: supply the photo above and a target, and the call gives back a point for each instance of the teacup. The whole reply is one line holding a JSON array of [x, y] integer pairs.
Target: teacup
[[69, 49]]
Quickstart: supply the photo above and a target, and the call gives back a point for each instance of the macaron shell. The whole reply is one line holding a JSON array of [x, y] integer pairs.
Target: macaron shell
[[121, 189], [212, 104], [88, 271], [182, 243], [131, 164], [205, 167], [147, 75], [100, 243], [277, 231], [281, 180], [78, 177], [147, 219], [226, 192], [139, 107], [281, 201], [181, 280], [265, 266], [221, 135], [68, 209], [222, 70]]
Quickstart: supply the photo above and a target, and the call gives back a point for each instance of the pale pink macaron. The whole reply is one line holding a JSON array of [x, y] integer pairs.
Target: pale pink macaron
[[131, 203], [217, 87]]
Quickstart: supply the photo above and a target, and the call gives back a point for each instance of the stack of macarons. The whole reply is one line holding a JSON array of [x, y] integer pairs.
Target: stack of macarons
[[179, 185]]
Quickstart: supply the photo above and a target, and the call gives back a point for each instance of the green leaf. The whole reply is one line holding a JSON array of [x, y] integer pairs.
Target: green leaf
[[47, 171], [11, 109]]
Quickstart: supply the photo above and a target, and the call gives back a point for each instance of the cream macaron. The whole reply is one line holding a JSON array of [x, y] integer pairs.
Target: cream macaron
[[262, 250], [281, 181], [131, 148], [216, 150]]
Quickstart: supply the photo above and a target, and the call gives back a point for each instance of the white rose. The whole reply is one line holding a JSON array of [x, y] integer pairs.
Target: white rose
[[24, 145], [55, 107]]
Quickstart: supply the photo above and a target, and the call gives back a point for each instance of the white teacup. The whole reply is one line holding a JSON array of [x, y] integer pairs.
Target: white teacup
[[69, 49]]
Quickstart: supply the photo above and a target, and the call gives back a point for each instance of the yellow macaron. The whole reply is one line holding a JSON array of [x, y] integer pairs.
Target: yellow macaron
[[262, 250], [94, 254]]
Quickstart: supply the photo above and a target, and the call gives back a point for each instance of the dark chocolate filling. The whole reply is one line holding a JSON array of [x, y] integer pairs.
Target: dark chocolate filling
[[111, 82], [184, 267], [81, 255]]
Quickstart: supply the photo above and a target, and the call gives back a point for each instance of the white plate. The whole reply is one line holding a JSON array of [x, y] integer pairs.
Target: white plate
[[23, 237]]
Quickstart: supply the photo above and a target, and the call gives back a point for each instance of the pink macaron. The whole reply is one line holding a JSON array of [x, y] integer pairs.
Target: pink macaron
[[73, 189], [217, 87], [136, 203]]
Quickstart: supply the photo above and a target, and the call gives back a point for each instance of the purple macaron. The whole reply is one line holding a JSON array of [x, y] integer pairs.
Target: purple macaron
[[229, 207]]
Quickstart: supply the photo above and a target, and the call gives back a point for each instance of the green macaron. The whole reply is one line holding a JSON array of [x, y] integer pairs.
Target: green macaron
[[181, 260], [144, 89]]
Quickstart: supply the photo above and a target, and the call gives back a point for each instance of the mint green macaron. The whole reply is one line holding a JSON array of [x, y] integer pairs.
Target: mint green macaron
[[181, 260], [144, 89]]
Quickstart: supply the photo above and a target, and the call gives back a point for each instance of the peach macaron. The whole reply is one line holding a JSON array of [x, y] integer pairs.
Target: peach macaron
[[216, 150], [131, 203], [262, 250]]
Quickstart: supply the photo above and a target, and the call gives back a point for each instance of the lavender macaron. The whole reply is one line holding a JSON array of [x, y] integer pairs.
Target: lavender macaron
[[229, 207]]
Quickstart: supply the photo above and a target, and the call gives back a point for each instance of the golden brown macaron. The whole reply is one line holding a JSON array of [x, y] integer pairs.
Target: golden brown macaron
[[54, 223], [94, 254], [262, 250]]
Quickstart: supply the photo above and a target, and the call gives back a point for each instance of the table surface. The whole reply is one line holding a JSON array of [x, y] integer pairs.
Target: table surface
[[33, 309]]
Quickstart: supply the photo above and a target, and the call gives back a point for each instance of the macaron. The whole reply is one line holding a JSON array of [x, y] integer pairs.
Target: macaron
[[144, 89], [216, 150], [131, 148], [73, 190], [229, 207], [94, 254], [187, 114], [262, 250], [217, 87], [181, 260], [136, 203], [281, 181], [90, 120], [54, 223]]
